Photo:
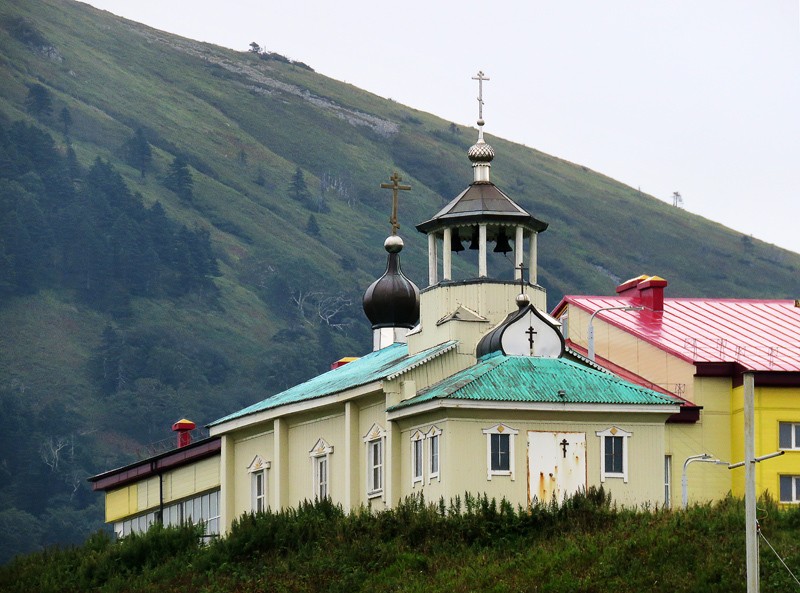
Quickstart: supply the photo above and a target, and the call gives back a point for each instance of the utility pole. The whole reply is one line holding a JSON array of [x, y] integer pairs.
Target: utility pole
[[751, 535], [749, 463]]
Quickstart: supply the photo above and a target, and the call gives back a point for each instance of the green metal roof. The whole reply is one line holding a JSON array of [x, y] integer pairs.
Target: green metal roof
[[385, 363], [500, 378]]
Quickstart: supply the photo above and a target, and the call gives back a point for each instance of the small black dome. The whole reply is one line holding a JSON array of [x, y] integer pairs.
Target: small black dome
[[392, 300]]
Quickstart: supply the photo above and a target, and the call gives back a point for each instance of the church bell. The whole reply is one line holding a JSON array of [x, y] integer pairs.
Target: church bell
[[502, 245]]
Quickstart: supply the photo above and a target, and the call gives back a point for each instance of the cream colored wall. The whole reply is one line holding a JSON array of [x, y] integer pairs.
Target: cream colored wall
[[464, 465], [772, 406], [639, 357], [246, 446], [491, 300], [303, 435]]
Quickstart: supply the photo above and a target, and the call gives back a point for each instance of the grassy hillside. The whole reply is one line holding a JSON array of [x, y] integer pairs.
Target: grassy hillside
[[472, 544], [285, 166]]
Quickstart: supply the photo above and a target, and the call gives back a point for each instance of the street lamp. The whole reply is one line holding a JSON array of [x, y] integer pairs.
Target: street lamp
[[704, 457], [590, 331]]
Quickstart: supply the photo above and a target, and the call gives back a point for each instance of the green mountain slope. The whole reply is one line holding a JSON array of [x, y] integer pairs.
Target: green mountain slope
[[285, 166]]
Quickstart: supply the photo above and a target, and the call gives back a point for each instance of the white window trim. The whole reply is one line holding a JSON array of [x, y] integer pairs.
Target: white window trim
[[501, 429], [794, 499], [614, 431], [258, 466], [321, 451], [794, 444], [417, 472], [434, 475], [375, 436]]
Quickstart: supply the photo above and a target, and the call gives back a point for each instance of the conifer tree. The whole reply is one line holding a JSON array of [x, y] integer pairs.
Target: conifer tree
[[138, 153], [298, 189], [179, 179], [38, 102]]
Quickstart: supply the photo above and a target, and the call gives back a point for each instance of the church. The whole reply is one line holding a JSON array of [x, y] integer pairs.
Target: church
[[470, 387]]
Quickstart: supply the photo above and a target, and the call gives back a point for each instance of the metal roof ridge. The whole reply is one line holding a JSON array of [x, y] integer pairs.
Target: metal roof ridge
[[445, 347]]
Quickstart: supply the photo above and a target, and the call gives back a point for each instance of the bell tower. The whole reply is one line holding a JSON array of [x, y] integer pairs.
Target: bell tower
[[487, 218]]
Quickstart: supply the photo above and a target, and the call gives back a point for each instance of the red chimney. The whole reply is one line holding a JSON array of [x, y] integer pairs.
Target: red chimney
[[184, 429], [646, 291], [343, 361]]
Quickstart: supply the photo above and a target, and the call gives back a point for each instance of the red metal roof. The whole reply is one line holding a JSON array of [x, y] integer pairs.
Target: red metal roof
[[758, 334]]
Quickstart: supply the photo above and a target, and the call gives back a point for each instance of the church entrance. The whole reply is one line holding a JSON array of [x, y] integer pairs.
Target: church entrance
[[556, 465]]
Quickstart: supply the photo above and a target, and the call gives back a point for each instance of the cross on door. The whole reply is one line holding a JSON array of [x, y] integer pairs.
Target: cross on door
[[564, 443]]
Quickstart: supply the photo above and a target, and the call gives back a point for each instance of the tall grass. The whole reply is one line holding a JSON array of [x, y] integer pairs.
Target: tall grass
[[471, 543]]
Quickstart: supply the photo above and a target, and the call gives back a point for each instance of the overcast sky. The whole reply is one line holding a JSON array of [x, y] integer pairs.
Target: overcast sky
[[696, 96]]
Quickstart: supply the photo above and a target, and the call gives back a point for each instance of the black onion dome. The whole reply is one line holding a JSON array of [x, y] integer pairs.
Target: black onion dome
[[392, 300]]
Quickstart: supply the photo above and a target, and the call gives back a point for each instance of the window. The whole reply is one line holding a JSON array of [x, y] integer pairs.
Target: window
[[374, 440], [789, 435], [614, 453], [433, 437], [667, 481], [200, 509], [375, 464], [258, 484], [790, 489], [500, 450], [417, 463], [320, 461]]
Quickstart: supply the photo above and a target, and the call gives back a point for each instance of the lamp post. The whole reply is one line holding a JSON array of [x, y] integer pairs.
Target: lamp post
[[590, 330], [704, 457]]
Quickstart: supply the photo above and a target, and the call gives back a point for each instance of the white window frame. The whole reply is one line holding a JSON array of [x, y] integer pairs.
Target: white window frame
[[794, 481], [320, 455], [434, 435], [501, 429], [375, 439], [258, 469], [794, 443], [667, 481], [614, 431], [417, 458]]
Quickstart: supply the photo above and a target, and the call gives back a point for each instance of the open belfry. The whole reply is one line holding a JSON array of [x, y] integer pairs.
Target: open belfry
[[470, 387]]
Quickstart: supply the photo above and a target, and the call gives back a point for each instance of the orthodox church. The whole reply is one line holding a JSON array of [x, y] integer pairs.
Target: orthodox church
[[470, 387]]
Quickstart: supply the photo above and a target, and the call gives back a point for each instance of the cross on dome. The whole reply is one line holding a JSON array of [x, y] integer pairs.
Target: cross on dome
[[395, 187], [480, 78]]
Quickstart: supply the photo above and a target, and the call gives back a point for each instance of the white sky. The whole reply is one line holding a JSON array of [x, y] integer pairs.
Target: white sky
[[696, 96]]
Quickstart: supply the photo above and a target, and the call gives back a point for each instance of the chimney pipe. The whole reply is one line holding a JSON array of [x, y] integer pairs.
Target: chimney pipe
[[184, 429]]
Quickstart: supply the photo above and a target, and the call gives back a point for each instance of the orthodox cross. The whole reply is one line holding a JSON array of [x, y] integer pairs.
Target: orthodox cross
[[531, 332], [521, 267], [395, 186], [480, 78], [564, 444]]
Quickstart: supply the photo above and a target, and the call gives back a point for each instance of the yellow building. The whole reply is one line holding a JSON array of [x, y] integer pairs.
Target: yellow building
[[699, 349], [469, 388], [174, 487]]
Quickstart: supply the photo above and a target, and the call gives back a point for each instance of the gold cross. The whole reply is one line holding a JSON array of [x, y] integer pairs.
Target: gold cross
[[395, 186]]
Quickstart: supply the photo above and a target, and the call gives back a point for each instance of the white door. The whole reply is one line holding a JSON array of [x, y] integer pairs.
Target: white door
[[556, 464]]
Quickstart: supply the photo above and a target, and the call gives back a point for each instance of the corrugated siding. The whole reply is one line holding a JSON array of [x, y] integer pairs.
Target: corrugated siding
[[122, 502], [189, 480]]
